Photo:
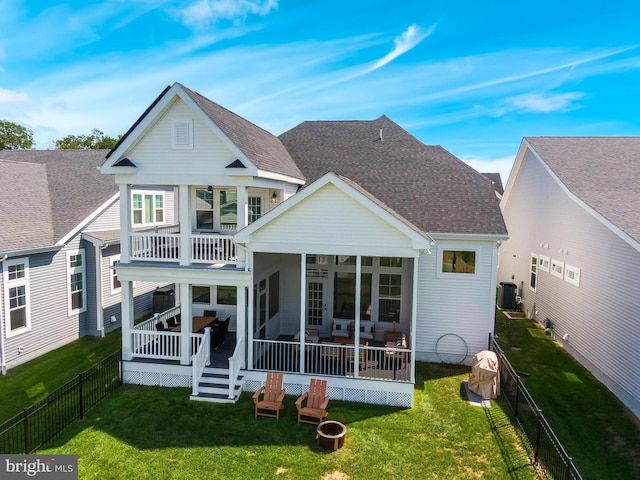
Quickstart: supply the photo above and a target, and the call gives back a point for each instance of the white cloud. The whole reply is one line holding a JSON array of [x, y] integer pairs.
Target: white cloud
[[8, 96], [536, 102], [408, 40], [205, 12]]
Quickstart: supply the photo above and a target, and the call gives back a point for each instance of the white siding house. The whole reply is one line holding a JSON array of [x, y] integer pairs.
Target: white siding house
[[328, 251], [571, 206]]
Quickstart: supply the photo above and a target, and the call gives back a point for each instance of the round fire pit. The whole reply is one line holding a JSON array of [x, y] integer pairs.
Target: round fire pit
[[331, 435]]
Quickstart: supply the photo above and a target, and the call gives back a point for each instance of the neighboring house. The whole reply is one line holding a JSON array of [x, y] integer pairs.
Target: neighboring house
[[347, 250], [572, 206], [59, 237], [497, 183]]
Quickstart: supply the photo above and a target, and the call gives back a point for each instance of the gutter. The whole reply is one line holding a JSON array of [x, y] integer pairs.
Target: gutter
[[3, 363]]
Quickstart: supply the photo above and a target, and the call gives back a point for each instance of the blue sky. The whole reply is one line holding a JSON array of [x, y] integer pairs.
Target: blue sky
[[474, 77]]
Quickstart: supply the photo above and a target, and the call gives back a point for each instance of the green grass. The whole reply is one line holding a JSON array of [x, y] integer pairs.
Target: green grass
[[601, 436], [34, 380], [158, 433]]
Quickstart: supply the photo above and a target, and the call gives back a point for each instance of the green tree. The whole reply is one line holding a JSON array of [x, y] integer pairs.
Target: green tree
[[95, 140], [14, 136]]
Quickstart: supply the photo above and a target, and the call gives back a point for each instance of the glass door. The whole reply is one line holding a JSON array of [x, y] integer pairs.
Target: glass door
[[317, 303]]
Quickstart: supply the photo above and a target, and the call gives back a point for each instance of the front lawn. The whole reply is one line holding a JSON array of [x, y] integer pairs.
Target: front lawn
[[157, 433]]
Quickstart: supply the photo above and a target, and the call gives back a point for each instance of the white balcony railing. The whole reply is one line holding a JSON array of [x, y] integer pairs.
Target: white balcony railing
[[163, 244]]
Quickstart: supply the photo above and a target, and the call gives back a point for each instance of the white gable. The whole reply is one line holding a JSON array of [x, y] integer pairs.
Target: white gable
[[333, 220]]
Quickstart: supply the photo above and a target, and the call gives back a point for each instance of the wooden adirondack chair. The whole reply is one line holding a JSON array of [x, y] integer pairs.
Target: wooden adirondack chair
[[316, 406], [273, 394]]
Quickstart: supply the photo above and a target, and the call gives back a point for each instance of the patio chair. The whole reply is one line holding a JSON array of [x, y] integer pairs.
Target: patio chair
[[316, 406], [160, 326], [171, 322], [209, 313], [272, 396]]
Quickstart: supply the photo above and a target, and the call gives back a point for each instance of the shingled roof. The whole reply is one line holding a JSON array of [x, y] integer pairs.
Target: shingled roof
[[426, 185], [603, 172], [264, 149], [45, 194]]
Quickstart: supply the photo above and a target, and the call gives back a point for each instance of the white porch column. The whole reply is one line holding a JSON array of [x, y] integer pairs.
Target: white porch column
[[249, 320], [243, 207], [303, 295], [414, 307], [126, 295], [356, 333], [186, 320], [184, 211], [125, 223], [241, 318]]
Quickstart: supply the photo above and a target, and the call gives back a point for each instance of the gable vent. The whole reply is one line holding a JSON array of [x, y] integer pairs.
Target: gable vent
[[182, 133]]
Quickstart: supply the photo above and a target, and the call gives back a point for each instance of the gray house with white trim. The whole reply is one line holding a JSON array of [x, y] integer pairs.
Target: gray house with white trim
[[59, 237], [572, 207]]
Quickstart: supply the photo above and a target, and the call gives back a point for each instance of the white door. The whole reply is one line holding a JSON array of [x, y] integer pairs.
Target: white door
[[317, 303]]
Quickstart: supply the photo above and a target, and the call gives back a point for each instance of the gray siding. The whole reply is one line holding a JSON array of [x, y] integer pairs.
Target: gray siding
[[599, 316]]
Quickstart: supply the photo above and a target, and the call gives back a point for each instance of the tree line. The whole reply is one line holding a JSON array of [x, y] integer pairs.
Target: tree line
[[14, 136]]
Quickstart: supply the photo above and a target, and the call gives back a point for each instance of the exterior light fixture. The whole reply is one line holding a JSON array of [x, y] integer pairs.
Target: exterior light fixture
[[274, 198]]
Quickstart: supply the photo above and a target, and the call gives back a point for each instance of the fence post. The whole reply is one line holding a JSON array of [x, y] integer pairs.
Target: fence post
[[569, 463], [81, 396], [120, 367], [517, 399], [25, 423], [538, 428]]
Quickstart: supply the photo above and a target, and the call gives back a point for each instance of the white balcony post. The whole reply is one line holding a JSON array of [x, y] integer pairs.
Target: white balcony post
[[303, 303], [241, 317], [184, 213], [243, 207], [356, 332], [126, 295], [250, 324], [186, 321], [125, 223]]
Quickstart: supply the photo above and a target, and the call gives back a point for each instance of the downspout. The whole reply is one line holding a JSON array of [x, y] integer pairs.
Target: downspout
[[3, 363], [99, 306]]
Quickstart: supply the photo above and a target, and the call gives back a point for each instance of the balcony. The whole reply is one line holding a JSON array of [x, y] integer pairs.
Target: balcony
[[164, 244]]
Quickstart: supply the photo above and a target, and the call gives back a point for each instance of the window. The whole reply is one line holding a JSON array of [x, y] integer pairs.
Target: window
[[557, 268], [389, 290], [204, 209], [148, 208], [274, 294], [182, 133], [16, 290], [390, 262], [572, 275], [543, 263], [228, 209], [533, 272], [201, 294], [459, 261], [226, 295], [77, 292], [116, 286], [255, 208]]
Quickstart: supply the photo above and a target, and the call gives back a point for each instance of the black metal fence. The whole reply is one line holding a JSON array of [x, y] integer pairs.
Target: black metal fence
[[544, 448], [41, 422]]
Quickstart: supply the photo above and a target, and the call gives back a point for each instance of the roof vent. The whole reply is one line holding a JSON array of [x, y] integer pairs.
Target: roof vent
[[380, 136]]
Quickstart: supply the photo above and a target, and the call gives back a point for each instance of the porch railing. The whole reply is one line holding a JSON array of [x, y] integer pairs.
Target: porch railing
[[378, 363], [235, 363], [201, 359], [150, 323], [161, 345], [164, 245]]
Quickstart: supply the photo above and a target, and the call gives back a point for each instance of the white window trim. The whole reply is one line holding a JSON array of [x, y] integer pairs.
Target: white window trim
[[535, 272], [155, 193], [71, 270], [441, 274], [113, 274], [557, 268], [186, 143], [8, 284], [543, 263], [572, 275]]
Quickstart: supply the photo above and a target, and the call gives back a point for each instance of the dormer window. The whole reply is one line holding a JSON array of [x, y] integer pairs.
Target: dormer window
[[182, 133]]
